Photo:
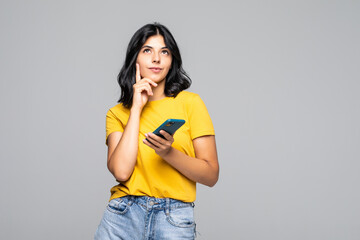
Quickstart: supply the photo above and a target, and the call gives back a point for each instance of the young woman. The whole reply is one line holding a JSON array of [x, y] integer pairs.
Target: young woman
[[157, 176]]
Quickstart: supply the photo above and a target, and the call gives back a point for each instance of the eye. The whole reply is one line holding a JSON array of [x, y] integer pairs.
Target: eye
[[146, 50], [166, 52]]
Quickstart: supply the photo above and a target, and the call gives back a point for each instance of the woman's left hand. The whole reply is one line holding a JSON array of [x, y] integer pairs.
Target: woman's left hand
[[161, 146]]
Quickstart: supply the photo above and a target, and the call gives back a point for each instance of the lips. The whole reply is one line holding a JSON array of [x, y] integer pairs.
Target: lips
[[155, 69]]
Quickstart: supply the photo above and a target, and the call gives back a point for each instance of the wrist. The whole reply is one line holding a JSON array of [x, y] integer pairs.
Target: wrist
[[167, 154], [135, 110]]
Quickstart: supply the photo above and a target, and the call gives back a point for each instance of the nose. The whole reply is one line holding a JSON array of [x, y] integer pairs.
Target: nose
[[156, 58]]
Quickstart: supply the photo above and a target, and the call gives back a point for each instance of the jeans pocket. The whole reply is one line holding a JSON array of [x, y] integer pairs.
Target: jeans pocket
[[181, 217], [119, 205]]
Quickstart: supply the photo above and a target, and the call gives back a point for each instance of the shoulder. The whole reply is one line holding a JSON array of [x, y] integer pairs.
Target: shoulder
[[190, 101], [186, 96], [118, 110]]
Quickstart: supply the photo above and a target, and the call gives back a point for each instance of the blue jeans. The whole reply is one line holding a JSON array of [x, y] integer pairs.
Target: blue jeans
[[141, 217]]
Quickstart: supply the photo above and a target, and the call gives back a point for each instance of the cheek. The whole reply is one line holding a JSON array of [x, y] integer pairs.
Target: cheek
[[141, 64], [141, 60], [142, 68], [168, 62], [168, 70]]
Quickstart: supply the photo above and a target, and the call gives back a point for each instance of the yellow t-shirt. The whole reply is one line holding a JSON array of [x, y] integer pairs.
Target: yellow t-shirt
[[153, 176]]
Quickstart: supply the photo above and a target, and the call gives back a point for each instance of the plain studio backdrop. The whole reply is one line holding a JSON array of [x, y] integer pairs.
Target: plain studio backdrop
[[281, 83]]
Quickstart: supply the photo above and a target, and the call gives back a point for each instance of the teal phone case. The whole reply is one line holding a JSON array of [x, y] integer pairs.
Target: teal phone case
[[170, 126]]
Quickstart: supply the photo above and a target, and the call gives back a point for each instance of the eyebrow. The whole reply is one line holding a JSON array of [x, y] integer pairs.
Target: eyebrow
[[147, 46]]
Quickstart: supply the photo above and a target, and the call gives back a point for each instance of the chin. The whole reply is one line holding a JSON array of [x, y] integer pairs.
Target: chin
[[156, 78]]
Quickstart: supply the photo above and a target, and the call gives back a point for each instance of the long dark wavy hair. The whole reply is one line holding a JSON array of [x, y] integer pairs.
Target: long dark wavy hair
[[176, 79]]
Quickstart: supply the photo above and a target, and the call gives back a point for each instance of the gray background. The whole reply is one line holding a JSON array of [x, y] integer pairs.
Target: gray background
[[281, 82]]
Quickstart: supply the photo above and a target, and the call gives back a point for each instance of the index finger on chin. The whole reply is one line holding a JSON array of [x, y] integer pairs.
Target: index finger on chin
[[137, 75]]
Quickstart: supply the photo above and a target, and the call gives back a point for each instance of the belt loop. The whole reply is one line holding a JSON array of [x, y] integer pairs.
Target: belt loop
[[167, 207], [131, 200]]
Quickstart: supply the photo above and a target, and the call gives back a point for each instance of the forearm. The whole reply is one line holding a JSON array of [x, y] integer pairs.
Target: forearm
[[196, 169], [123, 159]]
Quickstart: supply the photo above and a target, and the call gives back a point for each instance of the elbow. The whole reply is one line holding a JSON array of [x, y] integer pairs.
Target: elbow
[[119, 174], [121, 177], [212, 182], [214, 177]]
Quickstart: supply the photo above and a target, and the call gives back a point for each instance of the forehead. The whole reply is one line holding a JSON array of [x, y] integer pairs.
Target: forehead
[[156, 41]]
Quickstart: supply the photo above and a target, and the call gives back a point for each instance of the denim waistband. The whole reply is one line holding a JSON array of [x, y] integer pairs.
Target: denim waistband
[[157, 203]]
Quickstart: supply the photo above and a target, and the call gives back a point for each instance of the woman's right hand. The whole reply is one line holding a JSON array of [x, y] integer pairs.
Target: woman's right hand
[[141, 90]]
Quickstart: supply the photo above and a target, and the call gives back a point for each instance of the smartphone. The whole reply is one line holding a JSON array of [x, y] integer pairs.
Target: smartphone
[[170, 126]]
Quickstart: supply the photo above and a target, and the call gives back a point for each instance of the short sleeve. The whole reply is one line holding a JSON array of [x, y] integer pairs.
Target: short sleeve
[[113, 124], [199, 118]]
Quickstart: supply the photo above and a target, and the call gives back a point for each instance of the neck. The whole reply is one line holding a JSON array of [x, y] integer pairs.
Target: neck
[[158, 91]]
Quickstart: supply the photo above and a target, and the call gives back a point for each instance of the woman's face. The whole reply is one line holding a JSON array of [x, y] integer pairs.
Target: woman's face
[[154, 59]]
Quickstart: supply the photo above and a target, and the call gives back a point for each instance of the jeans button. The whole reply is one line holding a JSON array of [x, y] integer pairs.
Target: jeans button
[[151, 203]]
